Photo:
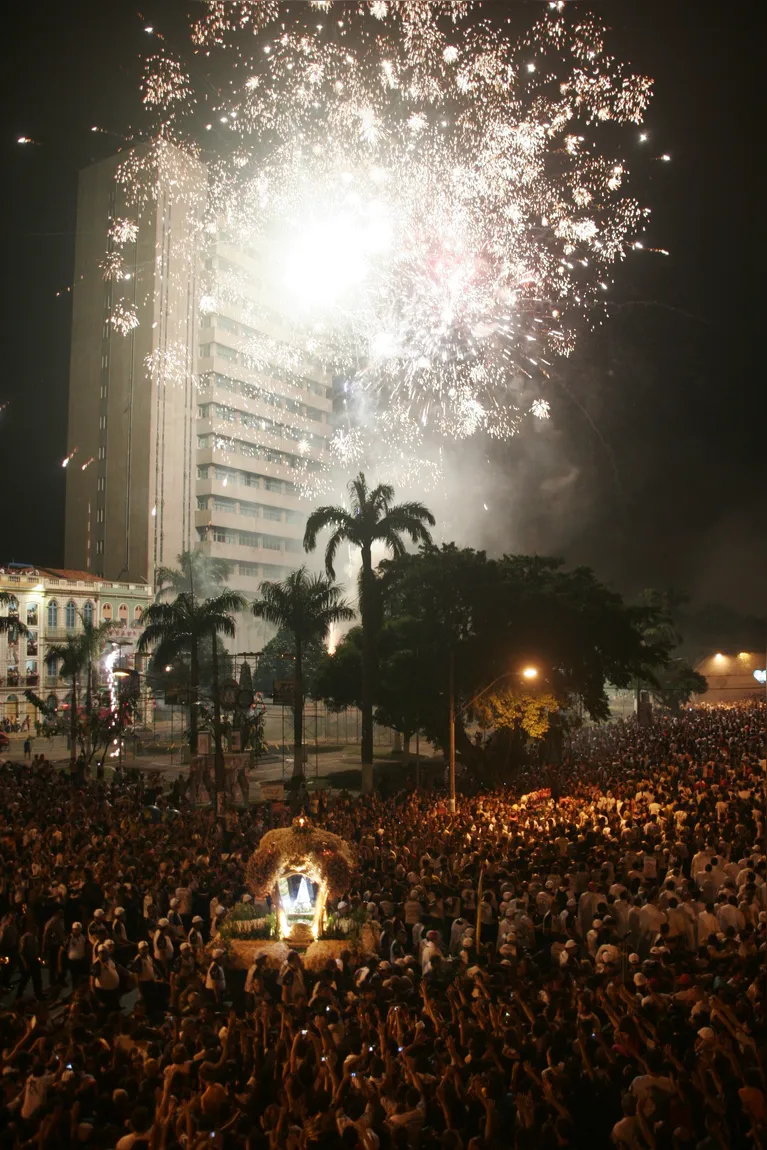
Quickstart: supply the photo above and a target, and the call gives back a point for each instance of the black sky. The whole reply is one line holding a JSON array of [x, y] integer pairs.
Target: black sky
[[652, 468]]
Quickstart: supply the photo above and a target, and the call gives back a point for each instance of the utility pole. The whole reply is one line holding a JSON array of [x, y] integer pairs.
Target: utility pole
[[452, 732]]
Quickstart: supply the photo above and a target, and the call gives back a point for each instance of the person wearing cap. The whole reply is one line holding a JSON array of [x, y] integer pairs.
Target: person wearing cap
[[105, 980], [75, 951], [215, 978], [97, 931], [194, 938], [175, 924], [184, 970], [119, 932], [163, 948]]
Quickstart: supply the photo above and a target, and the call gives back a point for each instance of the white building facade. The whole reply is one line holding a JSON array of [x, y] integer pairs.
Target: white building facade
[[52, 604]]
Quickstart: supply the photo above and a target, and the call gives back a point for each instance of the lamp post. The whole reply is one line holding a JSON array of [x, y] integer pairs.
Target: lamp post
[[529, 673]]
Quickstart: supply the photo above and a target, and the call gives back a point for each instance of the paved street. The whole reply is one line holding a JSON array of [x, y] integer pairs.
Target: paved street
[[274, 767]]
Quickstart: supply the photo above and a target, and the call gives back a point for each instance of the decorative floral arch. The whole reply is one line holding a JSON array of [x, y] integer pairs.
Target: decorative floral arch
[[301, 849]]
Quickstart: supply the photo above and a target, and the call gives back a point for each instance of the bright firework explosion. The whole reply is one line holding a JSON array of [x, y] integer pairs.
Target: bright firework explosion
[[437, 206]]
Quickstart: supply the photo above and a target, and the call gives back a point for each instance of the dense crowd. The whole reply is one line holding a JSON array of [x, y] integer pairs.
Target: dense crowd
[[582, 970]]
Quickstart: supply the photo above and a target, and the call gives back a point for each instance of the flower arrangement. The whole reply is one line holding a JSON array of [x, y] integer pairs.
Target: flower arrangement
[[301, 849]]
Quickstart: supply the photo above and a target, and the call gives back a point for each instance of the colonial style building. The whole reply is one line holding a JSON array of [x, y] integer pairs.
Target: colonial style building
[[53, 603]]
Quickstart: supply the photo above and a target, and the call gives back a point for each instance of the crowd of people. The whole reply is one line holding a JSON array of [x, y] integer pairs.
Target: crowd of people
[[581, 968]]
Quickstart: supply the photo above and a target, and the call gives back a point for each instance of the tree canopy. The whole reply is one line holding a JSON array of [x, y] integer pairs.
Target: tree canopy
[[496, 616]]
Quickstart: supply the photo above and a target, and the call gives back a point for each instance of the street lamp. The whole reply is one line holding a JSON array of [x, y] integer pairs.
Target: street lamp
[[529, 673]]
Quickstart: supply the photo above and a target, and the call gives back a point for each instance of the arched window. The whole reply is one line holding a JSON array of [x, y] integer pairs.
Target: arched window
[[88, 613], [53, 615], [13, 607], [138, 610], [106, 612], [70, 615], [52, 668], [122, 613]]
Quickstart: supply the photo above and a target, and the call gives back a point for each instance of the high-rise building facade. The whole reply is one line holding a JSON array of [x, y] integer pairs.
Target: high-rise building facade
[[182, 434]]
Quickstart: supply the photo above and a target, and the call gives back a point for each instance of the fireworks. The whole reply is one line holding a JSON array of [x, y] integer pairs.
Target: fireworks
[[436, 207]]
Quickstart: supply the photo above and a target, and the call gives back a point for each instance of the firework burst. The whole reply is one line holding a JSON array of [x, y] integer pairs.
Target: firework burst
[[436, 206]]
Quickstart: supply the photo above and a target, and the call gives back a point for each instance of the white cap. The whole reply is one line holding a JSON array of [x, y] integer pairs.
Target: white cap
[[162, 922]]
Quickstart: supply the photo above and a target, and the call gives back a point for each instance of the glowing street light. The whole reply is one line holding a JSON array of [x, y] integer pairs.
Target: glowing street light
[[530, 673]]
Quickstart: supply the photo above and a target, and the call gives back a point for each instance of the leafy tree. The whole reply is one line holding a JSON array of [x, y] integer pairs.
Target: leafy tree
[[496, 616], [72, 658], [306, 605], [197, 574], [277, 659], [180, 627], [513, 710], [370, 519], [676, 683]]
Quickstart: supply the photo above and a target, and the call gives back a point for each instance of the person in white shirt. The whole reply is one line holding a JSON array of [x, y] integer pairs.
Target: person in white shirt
[[729, 914], [708, 924], [215, 979], [105, 980]]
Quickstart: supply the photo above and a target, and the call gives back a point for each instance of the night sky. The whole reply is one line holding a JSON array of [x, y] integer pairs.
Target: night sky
[[652, 467]]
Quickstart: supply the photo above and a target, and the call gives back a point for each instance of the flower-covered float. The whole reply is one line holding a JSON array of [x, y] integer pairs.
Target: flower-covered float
[[300, 867]]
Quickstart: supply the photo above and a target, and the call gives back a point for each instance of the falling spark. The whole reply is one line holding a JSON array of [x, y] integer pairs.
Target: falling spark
[[87, 463], [70, 457]]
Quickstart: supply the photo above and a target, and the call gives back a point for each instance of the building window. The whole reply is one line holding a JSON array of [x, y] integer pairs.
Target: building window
[[202, 503], [138, 611], [102, 452], [13, 607], [106, 612], [100, 515], [202, 472], [122, 613], [249, 570], [88, 613], [52, 668], [99, 546], [102, 483], [53, 615], [220, 535], [70, 615], [32, 643], [102, 423], [273, 513], [271, 542], [32, 615]]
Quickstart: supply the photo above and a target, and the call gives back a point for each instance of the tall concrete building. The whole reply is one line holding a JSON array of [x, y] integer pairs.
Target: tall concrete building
[[183, 434]]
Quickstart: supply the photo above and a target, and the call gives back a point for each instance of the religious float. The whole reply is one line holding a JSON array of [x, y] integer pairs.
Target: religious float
[[298, 868]]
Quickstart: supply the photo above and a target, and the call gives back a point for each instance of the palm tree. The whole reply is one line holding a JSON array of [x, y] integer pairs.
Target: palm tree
[[372, 519], [179, 627], [306, 605], [73, 657], [93, 639], [197, 574]]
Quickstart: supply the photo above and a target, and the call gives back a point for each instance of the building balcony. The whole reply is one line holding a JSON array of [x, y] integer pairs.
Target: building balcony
[[234, 488], [32, 680], [245, 521]]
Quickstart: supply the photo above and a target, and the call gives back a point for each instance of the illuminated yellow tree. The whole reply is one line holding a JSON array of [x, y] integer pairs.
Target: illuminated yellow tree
[[508, 710]]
